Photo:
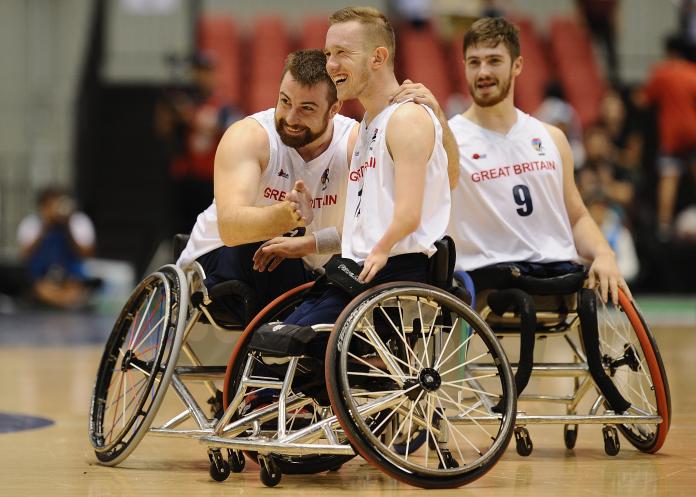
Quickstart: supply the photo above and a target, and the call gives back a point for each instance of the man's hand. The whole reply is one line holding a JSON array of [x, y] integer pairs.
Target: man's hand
[[301, 203], [419, 94], [605, 273], [274, 251], [374, 262]]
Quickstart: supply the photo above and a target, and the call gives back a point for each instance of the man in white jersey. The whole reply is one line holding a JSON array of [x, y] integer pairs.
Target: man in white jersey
[[277, 171], [516, 200], [398, 197]]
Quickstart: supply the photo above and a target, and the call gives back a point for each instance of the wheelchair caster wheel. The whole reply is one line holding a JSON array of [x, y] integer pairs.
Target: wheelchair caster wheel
[[523, 441], [270, 473], [236, 460], [611, 440], [447, 461], [570, 435], [219, 468]]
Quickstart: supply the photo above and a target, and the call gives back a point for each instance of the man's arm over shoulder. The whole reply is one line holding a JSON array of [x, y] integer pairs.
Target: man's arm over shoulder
[[241, 157]]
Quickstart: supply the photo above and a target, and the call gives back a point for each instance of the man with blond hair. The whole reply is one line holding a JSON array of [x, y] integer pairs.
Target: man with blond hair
[[398, 199]]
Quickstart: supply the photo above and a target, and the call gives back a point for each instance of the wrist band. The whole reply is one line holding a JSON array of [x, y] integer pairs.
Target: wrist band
[[328, 241]]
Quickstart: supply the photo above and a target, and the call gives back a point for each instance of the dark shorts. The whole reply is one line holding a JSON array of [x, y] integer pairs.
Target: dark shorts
[[236, 263], [326, 301]]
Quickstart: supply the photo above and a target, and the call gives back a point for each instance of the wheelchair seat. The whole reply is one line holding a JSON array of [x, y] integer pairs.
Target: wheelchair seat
[[535, 279], [233, 303]]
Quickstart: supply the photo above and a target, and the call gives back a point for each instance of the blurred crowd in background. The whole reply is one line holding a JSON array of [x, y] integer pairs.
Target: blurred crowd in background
[[635, 158]]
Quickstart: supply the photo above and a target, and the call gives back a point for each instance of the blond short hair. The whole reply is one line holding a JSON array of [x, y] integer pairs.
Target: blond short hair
[[379, 31]]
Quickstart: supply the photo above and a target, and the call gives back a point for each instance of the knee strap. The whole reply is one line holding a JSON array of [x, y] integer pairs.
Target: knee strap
[[587, 311], [518, 301]]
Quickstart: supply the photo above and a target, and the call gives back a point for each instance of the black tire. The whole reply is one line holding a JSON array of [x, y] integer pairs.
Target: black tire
[[612, 445], [632, 360], [523, 442], [360, 386], [270, 472], [219, 469], [281, 308], [132, 380], [570, 436]]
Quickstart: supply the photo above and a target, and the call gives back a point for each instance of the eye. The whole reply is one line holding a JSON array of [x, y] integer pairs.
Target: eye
[[307, 108]]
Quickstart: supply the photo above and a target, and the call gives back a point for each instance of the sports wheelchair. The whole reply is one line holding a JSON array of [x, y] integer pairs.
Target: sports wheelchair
[[390, 380], [607, 354]]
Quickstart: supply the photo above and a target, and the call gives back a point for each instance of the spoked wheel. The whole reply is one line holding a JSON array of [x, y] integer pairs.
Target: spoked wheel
[[468, 416], [296, 418], [137, 364], [631, 358]]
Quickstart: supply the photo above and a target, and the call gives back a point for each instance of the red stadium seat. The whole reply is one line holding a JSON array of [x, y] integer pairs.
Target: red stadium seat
[[269, 44], [536, 73], [313, 32], [422, 60], [577, 69], [218, 37]]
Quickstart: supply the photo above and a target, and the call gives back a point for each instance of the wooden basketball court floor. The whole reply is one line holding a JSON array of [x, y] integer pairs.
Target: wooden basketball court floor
[[47, 367]]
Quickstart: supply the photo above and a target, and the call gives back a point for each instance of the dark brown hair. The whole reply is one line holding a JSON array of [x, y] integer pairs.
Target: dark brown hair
[[308, 67], [491, 31]]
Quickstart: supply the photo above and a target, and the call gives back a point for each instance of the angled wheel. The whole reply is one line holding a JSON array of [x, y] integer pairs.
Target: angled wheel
[[137, 364], [631, 358], [295, 418], [468, 416]]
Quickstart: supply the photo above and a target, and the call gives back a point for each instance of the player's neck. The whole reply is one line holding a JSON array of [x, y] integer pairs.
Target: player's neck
[[314, 149], [375, 98], [499, 118]]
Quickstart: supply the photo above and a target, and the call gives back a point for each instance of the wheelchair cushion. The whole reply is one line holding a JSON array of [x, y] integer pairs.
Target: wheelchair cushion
[[441, 264], [282, 340], [234, 303], [535, 279]]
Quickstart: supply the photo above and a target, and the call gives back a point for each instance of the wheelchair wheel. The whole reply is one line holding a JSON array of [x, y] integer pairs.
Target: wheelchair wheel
[[137, 364], [632, 360], [468, 417], [256, 399]]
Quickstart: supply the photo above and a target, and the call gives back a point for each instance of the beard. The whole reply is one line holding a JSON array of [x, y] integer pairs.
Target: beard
[[494, 98], [299, 140]]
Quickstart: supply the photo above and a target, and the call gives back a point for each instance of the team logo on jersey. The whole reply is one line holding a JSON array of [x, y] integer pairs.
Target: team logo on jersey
[[325, 179], [536, 145], [373, 139], [478, 156], [283, 174]]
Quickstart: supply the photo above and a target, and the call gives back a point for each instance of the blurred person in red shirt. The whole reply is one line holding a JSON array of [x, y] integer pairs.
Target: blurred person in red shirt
[[671, 88]]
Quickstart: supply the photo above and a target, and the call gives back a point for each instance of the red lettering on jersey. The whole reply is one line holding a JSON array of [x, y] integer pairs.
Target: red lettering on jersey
[[476, 177], [330, 199], [359, 172], [274, 194]]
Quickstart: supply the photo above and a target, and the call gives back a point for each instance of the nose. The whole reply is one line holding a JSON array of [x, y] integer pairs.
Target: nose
[[331, 64], [293, 117]]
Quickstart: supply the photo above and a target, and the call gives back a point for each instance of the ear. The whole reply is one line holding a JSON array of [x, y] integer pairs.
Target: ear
[[333, 110], [517, 66], [380, 55]]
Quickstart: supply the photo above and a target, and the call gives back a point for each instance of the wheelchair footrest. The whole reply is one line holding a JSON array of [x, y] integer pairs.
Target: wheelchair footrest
[[282, 340]]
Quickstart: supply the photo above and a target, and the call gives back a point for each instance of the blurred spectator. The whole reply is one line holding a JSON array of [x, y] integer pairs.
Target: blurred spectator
[[616, 233], [685, 225], [601, 18], [417, 13], [625, 127], [687, 25], [556, 111], [671, 87], [600, 174], [191, 123], [54, 243]]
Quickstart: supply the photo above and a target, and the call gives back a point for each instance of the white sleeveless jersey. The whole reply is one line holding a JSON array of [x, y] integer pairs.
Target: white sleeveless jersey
[[325, 177], [370, 198], [508, 204]]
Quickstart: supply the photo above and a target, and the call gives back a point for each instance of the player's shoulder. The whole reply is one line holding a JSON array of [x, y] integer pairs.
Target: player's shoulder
[[410, 116], [246, 132]]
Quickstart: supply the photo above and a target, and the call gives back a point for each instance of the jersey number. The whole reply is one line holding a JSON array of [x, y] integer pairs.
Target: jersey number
[[524, 199]]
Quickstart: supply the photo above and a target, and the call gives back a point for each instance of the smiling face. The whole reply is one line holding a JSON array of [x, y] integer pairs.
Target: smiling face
[[347, 58], [490, 73], [302, 113]]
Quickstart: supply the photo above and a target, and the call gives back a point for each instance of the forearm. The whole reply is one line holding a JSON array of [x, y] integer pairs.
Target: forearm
[[589, 240], [402, 225], [452, 149], [245, 224]]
